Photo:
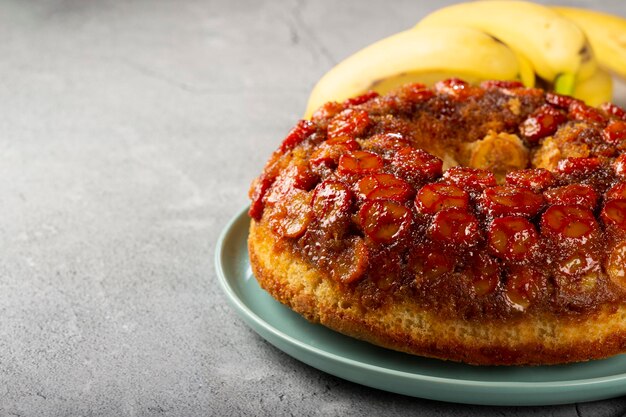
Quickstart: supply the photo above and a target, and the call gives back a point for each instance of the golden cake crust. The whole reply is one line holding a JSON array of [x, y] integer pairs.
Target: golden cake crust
[[406, 326]]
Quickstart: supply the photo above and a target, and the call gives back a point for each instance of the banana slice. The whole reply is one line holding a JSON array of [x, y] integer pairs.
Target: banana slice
[[416, 54]]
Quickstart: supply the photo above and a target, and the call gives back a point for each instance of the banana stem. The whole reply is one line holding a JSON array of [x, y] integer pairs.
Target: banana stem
[[565, 83]]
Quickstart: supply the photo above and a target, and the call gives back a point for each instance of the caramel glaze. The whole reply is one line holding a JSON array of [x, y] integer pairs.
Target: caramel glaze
[[313, 200]]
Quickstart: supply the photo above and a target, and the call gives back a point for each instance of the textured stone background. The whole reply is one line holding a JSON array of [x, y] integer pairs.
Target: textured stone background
[[129, 132]]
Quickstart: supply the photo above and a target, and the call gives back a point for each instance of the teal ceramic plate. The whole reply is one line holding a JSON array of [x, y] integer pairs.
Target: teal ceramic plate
[[384, 369]]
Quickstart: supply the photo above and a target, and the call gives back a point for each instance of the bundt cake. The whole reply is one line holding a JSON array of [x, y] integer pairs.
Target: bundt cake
[[481, 224]]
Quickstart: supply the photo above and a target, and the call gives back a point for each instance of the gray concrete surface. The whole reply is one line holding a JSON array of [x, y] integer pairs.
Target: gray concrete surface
[[129, 132]]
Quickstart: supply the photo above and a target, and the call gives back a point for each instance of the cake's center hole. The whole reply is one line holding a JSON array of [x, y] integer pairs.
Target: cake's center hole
[[498, 152]]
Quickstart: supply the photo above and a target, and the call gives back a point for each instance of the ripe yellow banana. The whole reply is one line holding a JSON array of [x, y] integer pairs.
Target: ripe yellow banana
[[555, 46], [606, 33], [596, 89], [417, 55]]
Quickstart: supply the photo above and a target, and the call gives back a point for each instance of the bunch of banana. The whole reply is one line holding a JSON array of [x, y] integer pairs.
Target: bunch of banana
[[496, 39]]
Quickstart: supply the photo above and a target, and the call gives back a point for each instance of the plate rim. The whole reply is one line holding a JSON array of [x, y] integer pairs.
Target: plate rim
[[247, 312]]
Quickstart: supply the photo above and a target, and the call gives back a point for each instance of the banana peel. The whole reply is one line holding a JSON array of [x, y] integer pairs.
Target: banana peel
[[415, 55], [595, 90], [606, 33]]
